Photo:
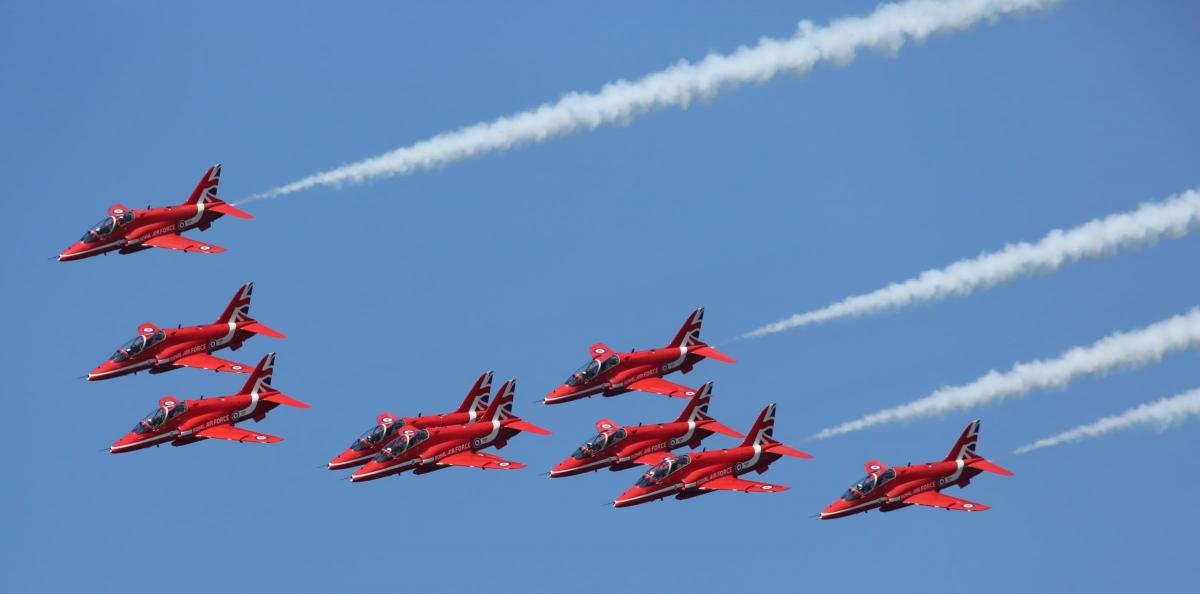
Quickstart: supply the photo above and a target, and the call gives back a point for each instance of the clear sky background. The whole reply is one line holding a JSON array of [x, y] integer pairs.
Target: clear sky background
[[395, 295]]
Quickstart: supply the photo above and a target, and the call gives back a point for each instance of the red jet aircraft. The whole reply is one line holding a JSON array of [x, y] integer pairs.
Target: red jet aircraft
[[696, 473], [368, 444], [188, 421], [611, 373], [158, 350], [920, 484], [128, 230], [427, 450], [622, 447]]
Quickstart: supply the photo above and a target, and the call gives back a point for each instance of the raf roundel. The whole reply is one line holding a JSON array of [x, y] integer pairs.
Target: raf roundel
[[118, 211], [503, 464], [205, 248], [874, 467], [968, 505], [236, 368], [768, 487], [387, 420], [606, 426], [260, 437], [599, 351], [147, 329], [689, 393]]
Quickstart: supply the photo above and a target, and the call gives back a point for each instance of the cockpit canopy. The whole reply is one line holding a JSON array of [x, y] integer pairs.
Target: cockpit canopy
[[160, 415], [376, 435], [105, 226], [867, 484], [137, 345], [401, 444], [588, 371], [597, 444], [663, 469]]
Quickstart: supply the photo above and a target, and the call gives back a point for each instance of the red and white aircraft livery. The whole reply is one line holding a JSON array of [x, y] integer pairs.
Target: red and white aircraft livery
[[163, 349], [892, 488], [611, 373], [187, 421], [434, 448], [127, 230], [619, 447], [368, 444], [696, 473]]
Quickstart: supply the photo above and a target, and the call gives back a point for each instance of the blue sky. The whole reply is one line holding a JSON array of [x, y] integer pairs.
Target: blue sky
[[395, 295]]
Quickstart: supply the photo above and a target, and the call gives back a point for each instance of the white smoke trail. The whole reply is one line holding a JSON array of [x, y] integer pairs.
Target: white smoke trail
[[1160, 414], [1118, 350], [1173, 217], [885, 29]]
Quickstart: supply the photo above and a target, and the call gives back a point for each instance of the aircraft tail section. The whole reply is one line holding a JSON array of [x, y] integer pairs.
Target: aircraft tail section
[[206, 194], [501, 407], [206, 190], [477, 398], [238, 309], [761, 432], [697, 411], [238, 312], [689, 333], [964, 448], [259, 384]]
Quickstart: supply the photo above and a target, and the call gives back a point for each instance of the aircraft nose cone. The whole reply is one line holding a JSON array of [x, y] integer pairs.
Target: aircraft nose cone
[[557, 394], [833, 510], [562, 468], [102, 370], [346, 459]]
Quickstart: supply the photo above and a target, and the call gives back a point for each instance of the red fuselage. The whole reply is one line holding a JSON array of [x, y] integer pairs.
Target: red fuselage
[[158, 352], [441, 442], [618, 453], [126, 231], [612, 379], [180, 422], [370, 443], [682, 482], [870, 493]]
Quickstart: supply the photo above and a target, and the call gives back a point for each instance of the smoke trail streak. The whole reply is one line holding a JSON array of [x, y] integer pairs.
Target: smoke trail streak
[[886, 29], [1119, 350], [1173, 217], [1160, 414]]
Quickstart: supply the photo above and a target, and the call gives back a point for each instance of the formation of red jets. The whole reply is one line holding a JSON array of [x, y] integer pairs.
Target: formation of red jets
[[423, 444]]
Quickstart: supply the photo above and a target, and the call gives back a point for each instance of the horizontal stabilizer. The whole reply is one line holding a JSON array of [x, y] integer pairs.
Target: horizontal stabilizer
[[784, 450], [260, 328], [711, 353], [716, 427], [229, 209], [523, 425], [281, 398], [989, 466]]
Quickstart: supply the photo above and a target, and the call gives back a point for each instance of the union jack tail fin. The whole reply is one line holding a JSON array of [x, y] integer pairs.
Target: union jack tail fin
[[206, 190], [760, 433], [501, 407], [697, 406], [964, 448], [238, 309], [238, 312], [697, 411], [689, 337], [689, 333], [259, 384], [206, 194], [477, 398]]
